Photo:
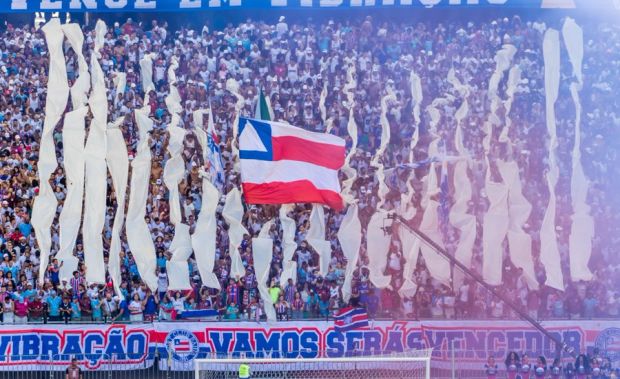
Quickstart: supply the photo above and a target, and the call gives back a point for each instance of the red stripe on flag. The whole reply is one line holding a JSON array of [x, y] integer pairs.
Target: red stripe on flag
[[303, 150], [361, 317], [299, 191]]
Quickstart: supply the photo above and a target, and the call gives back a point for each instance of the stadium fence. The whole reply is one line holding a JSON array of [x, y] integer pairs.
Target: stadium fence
[[225, 366]]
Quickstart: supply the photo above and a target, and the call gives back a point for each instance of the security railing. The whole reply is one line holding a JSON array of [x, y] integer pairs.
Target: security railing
[[109, 320], [98, 366], [445, 364]]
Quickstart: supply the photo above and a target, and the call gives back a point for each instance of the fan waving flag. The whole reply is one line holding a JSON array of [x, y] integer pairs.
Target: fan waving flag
[[283, 164], [350, 318]]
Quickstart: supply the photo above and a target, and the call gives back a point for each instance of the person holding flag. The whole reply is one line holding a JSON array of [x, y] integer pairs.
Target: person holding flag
[[213, 162]]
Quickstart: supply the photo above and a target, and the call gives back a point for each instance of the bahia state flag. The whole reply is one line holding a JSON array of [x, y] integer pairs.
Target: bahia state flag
[[350, 318], [214, 154], [283, 164]]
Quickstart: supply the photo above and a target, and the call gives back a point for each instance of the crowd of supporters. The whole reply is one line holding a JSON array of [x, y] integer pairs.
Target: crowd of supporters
[[594, 365], [292, 61]]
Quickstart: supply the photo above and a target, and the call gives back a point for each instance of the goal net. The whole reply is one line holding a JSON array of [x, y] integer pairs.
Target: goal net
[[410, 365]]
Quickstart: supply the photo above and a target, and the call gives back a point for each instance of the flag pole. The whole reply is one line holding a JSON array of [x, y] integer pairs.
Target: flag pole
[[517, 309]]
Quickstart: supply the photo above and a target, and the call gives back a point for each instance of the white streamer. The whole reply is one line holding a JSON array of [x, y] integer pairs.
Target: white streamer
[[181, 245], [120, 81], [385, 140], [138, 234], [204, 237], [514, 77], [438, 267], [503, 59], [73, 133], [411, 250], [262, 252], [322, 103], [316, 238], [519, 209], [174, 171], [79, 90], [459, 216], [96, 170], [495, 227], [233, 213], [118, 164], [416, 97], [349, 171], [408, 211], [146, 74], [582, 229], [350, 237], [377, 247], [549, 252], [233, 87], [496, 220], [289, 246], [409, 242], [45, 204], [519, 242]]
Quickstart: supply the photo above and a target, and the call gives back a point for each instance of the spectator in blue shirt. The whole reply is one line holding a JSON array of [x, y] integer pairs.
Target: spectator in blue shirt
[[25, 228], [123, 311], [76, 312], [53, 303], [589, 305], [95, 304], [150, 306], [161, 260], [29, 293]]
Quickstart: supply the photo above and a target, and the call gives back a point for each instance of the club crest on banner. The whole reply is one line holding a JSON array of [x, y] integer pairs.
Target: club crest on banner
[[608, 342], [182, 345]]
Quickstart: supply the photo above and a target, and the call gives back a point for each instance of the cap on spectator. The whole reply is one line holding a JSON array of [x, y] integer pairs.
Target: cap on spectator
[[281, 18]]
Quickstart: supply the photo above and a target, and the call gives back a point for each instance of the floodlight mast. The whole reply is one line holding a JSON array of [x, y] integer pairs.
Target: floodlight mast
[[560, 345]]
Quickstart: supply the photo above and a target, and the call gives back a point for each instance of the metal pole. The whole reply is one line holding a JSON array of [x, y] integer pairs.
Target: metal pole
[[453, 360], [169, 368], [424, 238]]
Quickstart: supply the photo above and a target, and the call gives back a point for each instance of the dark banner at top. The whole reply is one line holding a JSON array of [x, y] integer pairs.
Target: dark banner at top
[[8, 6]]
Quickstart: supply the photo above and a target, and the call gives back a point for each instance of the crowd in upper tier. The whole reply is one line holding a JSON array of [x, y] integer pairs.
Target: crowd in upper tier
[[292, 60]]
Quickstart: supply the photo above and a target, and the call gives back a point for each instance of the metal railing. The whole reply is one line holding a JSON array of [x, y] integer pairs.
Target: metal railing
[[153, 365], [108, 320], [453, 363]]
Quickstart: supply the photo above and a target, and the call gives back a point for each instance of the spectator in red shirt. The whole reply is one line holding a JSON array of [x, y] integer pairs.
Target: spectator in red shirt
[[36, 309], [21, 309]]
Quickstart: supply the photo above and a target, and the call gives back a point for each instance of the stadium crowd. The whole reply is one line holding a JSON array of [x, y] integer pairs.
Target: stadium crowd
[[292, 62], [516, 366]]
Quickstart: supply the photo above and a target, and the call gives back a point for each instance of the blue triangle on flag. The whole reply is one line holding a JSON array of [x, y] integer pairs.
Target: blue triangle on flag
[[255, 140]]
